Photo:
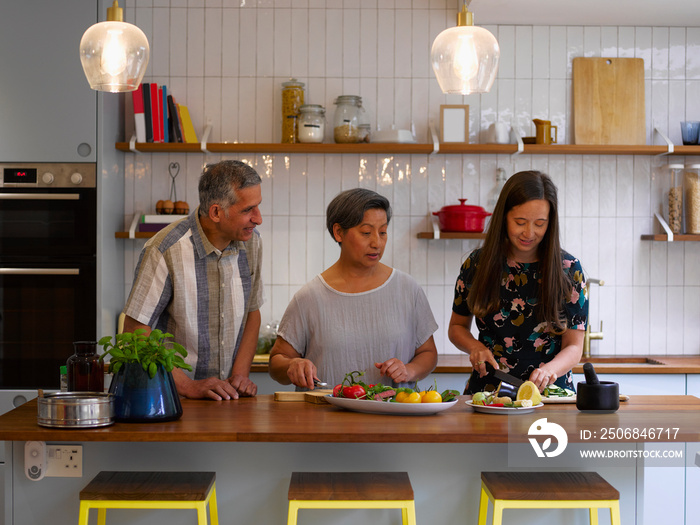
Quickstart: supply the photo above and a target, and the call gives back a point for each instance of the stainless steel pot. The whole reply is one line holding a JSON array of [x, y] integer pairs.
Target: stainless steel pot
[[75, 409]]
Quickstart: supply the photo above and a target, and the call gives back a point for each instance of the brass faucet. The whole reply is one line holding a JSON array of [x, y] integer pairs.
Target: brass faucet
[[591, 335]]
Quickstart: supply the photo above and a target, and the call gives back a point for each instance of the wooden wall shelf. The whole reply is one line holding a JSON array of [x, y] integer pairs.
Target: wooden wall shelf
[[679, 237], [425, 149], [452, 235], [137, 235]]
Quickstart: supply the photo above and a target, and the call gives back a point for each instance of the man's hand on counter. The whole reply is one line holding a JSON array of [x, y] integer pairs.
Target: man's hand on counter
[[212, 387], [243, 385]]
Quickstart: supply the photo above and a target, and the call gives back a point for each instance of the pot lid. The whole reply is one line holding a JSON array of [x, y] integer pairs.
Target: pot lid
[[463, 208]]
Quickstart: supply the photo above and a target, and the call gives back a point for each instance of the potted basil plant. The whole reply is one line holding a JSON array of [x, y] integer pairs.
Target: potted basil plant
[[142, 382]]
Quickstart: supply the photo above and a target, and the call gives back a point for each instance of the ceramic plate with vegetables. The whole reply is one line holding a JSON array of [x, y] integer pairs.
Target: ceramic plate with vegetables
[[526, 400], [355, 395]]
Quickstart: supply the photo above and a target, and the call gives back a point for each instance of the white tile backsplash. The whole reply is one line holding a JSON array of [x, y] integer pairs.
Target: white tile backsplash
[[226, 62]]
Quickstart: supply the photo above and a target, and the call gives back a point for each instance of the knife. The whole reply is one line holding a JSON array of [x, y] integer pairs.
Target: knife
[[503, 376]]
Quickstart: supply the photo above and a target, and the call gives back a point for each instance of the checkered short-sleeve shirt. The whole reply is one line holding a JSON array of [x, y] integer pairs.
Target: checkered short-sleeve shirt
[[185, 286]]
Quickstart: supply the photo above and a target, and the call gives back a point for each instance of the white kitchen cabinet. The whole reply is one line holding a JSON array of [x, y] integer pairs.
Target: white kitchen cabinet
[[664, 487], [48, 113]]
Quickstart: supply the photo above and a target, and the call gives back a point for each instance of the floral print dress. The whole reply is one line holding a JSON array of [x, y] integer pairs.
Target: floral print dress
[[514, 334]]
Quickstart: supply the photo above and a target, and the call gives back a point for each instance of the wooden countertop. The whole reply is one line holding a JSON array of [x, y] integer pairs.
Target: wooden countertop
[[459, 364], [262, 419], [602, 364]]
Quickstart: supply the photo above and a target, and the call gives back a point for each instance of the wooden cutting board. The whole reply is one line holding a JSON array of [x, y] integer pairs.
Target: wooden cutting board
[[608, 98], [572, 399]]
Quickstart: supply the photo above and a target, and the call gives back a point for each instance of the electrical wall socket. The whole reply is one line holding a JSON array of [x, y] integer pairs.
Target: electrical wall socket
[[64, 461]]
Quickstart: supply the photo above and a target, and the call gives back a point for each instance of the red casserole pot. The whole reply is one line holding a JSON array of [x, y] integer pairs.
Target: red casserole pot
[[462, 218]]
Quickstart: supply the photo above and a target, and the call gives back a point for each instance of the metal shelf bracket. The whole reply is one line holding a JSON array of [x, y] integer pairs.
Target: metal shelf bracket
[[132, 144], [205, 137], [669, 151], [665, 226], [518, 140], [134, 224]]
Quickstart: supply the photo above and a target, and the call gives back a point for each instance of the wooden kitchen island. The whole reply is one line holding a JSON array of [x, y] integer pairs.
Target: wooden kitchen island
[[254, 444]]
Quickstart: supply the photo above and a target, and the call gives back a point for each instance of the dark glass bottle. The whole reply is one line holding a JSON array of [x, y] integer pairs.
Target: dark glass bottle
[[85, 370]]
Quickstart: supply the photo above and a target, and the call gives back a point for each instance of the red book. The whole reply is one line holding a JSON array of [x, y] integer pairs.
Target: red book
[[155, 112], [161, 116], [139, 115]]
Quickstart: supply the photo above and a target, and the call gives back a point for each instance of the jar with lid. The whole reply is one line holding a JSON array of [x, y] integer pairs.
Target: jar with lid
[[292, 100], [85, 370], [346, 120], [691, 186], [364, 128], [312, 123], [674, 198]]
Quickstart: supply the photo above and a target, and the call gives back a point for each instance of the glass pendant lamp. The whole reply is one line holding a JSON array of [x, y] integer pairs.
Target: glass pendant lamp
[[465, 58], [114, 53]]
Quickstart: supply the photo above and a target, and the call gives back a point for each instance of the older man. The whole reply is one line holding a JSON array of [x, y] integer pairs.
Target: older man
[[199, 279]]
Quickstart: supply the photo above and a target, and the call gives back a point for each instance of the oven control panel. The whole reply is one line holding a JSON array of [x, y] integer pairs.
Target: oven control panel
[[48, 175]]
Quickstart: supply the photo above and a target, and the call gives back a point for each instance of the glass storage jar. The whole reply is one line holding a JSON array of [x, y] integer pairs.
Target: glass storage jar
[[674, 198], [691, 186], [346, 120], [85, 370], [292, 100], [312, 123], [364, 128]]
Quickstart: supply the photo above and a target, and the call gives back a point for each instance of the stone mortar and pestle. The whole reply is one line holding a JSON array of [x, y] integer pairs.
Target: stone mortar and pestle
[[601, 397]]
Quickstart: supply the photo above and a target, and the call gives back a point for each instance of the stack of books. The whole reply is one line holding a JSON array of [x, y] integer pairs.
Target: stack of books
[[158, 118], [154, 223]]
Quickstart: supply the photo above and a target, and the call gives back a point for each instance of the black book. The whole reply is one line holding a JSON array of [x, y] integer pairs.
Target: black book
[[173, 121], [148, 110]]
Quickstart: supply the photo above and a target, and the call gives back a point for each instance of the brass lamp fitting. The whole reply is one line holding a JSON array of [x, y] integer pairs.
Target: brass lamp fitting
[[115, 13]]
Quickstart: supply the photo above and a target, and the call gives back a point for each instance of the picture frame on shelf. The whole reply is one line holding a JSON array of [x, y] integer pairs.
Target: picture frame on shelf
[[454, 123]]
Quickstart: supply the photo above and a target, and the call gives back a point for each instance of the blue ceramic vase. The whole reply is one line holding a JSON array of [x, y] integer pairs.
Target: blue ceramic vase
[[140, 399]]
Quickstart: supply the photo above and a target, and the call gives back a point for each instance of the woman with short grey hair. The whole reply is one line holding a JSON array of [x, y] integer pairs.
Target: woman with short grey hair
[[359, 314]]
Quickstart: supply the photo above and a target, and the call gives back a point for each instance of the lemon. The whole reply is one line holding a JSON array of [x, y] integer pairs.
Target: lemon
[[529, 391]]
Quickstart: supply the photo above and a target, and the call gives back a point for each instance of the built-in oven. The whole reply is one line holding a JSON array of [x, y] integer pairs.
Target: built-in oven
[[48, 281]]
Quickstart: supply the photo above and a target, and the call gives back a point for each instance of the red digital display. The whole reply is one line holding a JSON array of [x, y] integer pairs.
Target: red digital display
[[15, 175]]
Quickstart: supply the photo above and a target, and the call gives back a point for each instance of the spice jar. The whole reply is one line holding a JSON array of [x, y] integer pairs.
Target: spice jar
[[312, 123], [692, 198], [674, 198], [292, 100], [85, 370], [346, 120]]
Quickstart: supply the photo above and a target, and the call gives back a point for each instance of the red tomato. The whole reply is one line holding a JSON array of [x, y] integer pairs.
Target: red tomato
[[354, 392], [337, 389]]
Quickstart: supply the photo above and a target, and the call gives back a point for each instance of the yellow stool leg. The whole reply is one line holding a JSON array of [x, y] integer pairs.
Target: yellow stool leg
[[84, 513], [615, 513], [410, 514], [483, 506], [292, 513], [213, 508], [593, 515], [101, 516], [201, 513], [497, 512]]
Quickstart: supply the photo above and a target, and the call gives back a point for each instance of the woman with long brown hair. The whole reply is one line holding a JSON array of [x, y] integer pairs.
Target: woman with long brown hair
[[526, 293]]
